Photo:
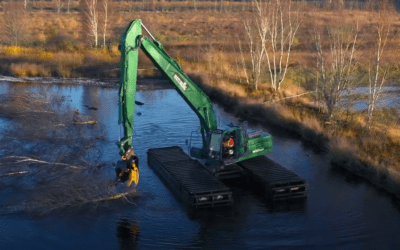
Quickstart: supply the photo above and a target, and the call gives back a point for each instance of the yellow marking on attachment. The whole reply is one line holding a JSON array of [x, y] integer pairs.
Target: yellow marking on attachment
[[133, 176]]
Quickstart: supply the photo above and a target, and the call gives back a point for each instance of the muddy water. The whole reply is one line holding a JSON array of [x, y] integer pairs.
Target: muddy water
[[341, 212]]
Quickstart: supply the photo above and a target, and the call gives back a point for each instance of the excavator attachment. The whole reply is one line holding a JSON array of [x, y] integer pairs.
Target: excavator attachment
[[127, 169], [127, 172], [133, 175]]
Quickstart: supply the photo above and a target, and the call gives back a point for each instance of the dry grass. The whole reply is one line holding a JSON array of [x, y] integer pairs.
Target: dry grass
[[72, 59], [22, 61], [342, 150], [29, 69], [100, 57], [393, 133]]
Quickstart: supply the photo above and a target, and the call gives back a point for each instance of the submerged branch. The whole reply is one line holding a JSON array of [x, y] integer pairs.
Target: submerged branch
[[13, 174], [27, 159], [87, 122], [96, 200]]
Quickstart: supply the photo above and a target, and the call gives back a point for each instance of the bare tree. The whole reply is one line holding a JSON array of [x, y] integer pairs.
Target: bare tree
[[335, 66], [14, 23], [270, 36], [377, 76], [59, 5], [68, 5], [282, 27], [256, 31], [91, 20], [106, 14]]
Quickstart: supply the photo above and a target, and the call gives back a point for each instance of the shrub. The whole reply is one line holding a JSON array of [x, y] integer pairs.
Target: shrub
[[45, 56], [29, 69], [13, 50], [62, 70]]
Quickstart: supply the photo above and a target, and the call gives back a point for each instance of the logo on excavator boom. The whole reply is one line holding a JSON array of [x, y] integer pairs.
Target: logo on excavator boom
[[181, 83], [258, 150]]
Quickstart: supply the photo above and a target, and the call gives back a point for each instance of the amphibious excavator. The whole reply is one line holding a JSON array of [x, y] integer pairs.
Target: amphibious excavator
[[238, 145], [222, 148]]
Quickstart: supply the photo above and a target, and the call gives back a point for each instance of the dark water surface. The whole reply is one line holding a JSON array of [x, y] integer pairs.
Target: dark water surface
[[341, 212]]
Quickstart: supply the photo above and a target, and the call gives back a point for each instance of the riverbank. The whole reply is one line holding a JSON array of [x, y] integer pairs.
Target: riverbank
[[143, 84]]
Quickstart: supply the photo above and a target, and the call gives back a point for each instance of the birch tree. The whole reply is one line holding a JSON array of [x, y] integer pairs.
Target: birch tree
[[282, 28], [91, 20], [377, 75], [106, 14], [59, 5], [335, 65], [270, 35], [256, 34], [14, 23], [68, 5]]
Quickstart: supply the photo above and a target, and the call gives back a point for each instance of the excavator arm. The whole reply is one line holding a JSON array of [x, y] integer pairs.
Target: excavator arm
[[199, 102], [129, 62], [131, 41]]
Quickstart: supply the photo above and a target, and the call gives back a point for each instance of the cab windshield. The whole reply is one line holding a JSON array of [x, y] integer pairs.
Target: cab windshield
[[215, 142]]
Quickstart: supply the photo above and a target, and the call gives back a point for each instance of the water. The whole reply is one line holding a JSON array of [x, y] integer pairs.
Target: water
[[341, 212], [388, 98]]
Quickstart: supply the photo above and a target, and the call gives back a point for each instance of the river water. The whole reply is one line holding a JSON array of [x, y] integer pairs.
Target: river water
[[341, 212], [388, 98]]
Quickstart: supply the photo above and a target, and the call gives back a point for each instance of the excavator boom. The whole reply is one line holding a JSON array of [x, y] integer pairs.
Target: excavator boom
[[190, 92], [128, 65]]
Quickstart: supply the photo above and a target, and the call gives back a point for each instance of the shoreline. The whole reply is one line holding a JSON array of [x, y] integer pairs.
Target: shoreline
[[143, 84]]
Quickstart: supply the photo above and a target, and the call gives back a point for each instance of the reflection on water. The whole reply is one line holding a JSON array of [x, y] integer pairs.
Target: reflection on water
[[340, 213], [128, 234]]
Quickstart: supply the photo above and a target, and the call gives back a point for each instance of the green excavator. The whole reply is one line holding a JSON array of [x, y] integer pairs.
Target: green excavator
[[222, 147]]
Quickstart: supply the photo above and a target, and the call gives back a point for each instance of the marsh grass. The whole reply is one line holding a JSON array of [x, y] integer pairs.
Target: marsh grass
[[25, 61], [29, 69]]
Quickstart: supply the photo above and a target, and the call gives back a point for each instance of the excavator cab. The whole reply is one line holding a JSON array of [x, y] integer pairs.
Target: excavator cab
[[215, 154], [225, 146]]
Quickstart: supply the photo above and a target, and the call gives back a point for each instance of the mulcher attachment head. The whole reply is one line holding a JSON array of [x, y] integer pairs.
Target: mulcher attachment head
[[128, 171]]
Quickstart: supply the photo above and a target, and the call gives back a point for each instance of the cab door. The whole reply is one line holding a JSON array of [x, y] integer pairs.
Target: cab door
[[241, 143], [215, 149]]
